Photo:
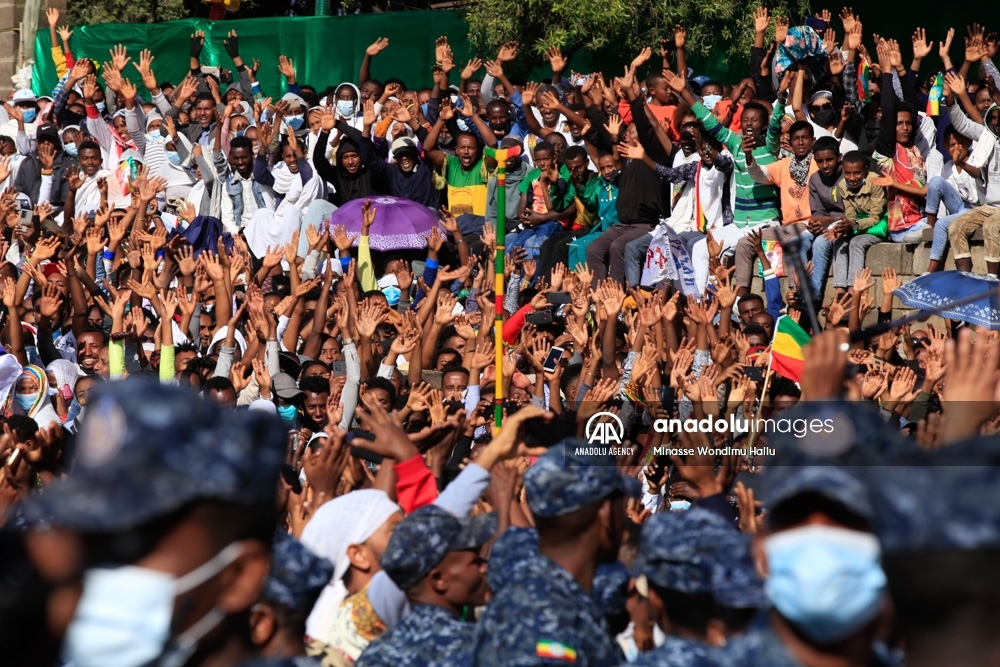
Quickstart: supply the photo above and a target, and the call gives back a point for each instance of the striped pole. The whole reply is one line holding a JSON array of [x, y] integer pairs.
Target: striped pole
[[500, 155]]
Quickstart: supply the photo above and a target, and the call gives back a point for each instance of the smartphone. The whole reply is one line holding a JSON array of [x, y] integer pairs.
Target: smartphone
[[291, 478], [356, 441], [541, 317], [755, 373], [339, 368], [751, 138], [559, 298], [552, 361]]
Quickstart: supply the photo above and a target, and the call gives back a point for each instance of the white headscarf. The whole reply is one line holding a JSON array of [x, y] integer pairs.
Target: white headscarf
[[349, 519]]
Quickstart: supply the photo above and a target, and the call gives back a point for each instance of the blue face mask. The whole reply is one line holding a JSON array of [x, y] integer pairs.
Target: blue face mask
[[29, 115], [294, 122], [26, 400], [174, 157], [101, 107], [679, 505], [71, 150], [825, 580], [287, 413], [711, 100], [392, 294], [240, 133], [345, 108], [155, 138]]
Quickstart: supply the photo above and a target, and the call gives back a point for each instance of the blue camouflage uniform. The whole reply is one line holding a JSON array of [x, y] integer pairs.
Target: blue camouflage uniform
[[831, 466], [540, 614], [297, 575], [679, 551], [428, 635], [147, 450]]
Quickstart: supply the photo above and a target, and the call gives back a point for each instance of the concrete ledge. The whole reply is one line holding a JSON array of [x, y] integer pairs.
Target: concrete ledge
[[910, 261]]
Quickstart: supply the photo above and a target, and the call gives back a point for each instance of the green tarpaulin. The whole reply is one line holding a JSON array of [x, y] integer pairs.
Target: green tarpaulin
[[326, 50]]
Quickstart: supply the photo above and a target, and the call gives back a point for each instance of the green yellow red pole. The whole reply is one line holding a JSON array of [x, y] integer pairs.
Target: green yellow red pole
[[500, 155]]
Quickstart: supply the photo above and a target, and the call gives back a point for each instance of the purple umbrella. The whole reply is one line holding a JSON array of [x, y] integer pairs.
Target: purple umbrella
[[400, 224]]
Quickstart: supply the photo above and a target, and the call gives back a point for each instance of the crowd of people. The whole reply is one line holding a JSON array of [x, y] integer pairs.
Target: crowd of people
[[239, 430]]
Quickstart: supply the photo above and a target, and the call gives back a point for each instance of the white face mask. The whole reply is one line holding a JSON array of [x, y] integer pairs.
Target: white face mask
[[124, 615]]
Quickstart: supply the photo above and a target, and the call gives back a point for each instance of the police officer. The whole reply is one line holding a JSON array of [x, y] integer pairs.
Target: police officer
[[543, 614], [162, 531], [434, 557], [677, 561], [825, 583], [938, 520], [278, 620]]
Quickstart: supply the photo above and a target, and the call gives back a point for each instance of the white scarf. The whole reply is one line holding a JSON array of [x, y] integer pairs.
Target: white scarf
[[349, 519]]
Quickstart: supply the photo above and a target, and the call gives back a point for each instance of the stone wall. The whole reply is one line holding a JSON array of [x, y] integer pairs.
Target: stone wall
[[908, 259], [11, 14]]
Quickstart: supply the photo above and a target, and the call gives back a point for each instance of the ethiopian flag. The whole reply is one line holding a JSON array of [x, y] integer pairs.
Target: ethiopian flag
[[787, 357], [864, 70], [935, 96], [555, 651]]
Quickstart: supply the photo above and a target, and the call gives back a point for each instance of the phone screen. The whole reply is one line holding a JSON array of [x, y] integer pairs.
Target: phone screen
[[339, 368], [551, 361]]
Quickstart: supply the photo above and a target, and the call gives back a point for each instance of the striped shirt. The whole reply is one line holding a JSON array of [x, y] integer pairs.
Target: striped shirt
[[755, 203]]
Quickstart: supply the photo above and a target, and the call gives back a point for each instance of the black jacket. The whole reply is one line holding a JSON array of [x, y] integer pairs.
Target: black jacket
[[29, 178]]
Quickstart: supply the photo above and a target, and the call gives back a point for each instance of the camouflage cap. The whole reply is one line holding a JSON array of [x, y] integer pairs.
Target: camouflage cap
[[677, 550], [839, 484], [426, 536], [297, 575], [147, 449], [561, 481], [610, 590], [938, 501], [735, 581]]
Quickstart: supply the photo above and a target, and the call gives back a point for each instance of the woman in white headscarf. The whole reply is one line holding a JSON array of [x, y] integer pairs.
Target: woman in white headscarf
[[352, 532]]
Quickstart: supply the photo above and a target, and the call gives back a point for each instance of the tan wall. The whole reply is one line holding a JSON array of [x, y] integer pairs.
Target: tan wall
[[11, 14]]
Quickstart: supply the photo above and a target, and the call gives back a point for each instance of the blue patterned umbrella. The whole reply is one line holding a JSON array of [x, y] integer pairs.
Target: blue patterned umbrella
[[936, 291]]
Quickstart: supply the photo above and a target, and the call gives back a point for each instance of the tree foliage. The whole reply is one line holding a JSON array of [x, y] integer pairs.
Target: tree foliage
[[722, 29], [91, 12]]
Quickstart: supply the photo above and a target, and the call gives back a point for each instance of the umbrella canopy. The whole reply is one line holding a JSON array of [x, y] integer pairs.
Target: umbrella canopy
[[400, 224], [937, 290]]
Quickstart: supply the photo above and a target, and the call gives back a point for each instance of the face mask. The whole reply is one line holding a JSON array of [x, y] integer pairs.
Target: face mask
[[101, 107], [240, 133], [295, 122], [29, 115], [679, 505], [711, 100], [155, 138], [124, 615], [392, 294], [71, 150], [345, 108], [825, 580], [27, 400], [174, 157], [288, 412], [824, 117]]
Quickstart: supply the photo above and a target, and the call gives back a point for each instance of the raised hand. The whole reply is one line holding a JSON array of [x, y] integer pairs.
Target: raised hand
[[471, 67], [377, 47], [781, 26], [119, 57], [556, 59]]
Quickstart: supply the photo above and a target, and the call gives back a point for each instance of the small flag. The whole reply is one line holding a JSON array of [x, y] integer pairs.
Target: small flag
[[864, 71], [772, 250], [935, 96], [550, 649], [699, 211], [787, 355]]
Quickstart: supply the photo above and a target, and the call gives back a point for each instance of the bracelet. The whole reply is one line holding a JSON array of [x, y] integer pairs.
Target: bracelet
[[46, 172], [459, 241], [108, 255], [348, 341]]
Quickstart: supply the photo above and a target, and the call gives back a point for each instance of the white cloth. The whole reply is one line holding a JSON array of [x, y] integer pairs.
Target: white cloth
[[88, 197], [972, 190], [269, 228], [221, 335], [349, 519]]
